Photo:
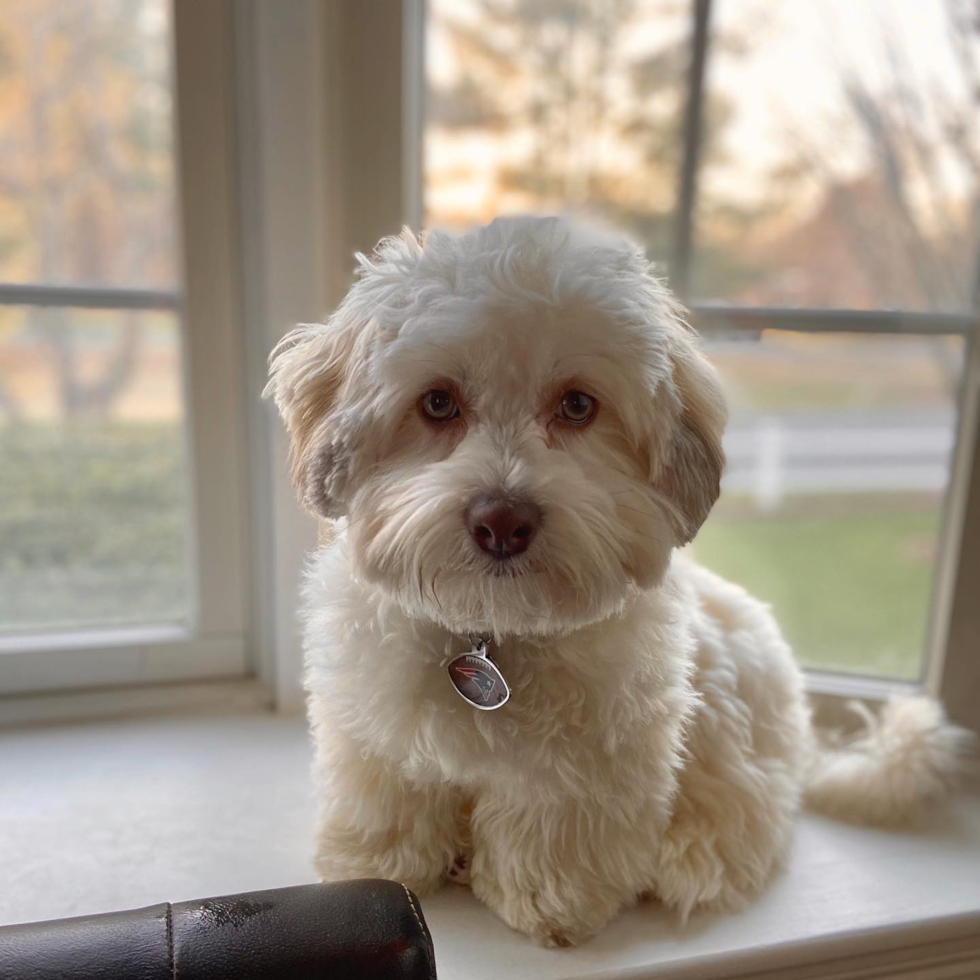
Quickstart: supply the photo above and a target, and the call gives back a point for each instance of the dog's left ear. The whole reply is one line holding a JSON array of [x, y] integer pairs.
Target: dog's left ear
[[689, 474]]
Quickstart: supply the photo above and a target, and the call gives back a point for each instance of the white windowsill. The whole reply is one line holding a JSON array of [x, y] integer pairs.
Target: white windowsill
[[235, 695], [109, 815]]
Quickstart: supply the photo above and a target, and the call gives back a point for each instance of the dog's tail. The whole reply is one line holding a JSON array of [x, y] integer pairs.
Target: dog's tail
[[902, 764]]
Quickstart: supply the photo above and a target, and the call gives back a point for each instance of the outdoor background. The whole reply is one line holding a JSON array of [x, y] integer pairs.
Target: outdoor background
[[838, 170], [94, 515]]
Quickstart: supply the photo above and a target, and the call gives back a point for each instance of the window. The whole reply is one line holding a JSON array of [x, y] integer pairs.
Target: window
[[114, 514], [838, 461], [805, 174], [840, 155], [94, 510], [831, 276]]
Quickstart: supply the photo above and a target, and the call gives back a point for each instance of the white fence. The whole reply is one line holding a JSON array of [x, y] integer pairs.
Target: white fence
[[770, 456]]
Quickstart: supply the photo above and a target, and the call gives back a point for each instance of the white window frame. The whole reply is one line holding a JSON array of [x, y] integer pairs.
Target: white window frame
[[358, 70], [951, 665], [267, 135], [371, 120], [215, 644], [300, 142]]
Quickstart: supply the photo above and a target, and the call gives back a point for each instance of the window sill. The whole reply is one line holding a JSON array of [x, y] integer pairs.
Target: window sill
[[110, 815], [69, 662], [211, 695]]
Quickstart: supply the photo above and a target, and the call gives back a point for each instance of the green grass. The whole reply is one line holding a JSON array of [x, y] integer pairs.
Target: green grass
[[93, 525], [851, 591]]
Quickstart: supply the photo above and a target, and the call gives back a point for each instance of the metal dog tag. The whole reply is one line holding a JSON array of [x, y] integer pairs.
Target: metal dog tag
[[477, 679]]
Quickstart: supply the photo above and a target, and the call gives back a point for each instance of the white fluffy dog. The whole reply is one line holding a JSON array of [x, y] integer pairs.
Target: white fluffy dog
[[515, 430]]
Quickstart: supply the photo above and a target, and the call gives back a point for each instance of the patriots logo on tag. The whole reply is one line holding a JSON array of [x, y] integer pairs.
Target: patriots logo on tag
[[479, 681], [481, 678]]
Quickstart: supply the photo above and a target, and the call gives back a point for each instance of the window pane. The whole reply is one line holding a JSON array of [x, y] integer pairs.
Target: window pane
[[839, 449], [86, 149], [544, 106], [841, 154], [93, 505]]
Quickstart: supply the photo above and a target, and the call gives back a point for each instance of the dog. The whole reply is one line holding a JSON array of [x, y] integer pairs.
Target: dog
[[514, 432]]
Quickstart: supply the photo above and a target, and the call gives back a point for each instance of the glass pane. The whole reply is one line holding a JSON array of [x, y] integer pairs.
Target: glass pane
[[93, 502], [545, 106], [842, 153], [86, 148], [839, 449]]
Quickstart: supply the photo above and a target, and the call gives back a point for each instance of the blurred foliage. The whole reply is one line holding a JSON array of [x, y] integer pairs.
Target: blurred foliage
[[86, 162], [578, 105], [93, 525], [599, 122], [86, 170]]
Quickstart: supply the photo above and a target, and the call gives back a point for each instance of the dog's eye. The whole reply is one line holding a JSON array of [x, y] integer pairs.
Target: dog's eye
[[577, 407], [439, 405]]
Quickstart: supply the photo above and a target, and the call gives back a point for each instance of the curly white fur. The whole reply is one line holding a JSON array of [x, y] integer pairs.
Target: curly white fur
[[658, 739]]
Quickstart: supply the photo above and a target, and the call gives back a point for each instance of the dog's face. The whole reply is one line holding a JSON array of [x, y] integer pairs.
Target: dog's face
[[516, 424]]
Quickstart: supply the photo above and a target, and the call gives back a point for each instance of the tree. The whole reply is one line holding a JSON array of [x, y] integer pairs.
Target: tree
[[85, 169], [901, 229], [584, 102], [914, 135]]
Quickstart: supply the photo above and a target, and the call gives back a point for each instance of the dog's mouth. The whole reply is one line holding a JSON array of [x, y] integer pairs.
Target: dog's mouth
[[500, 566], [508, 568]]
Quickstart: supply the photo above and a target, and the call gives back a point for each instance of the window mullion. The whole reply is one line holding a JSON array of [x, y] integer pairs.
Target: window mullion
[[680, 272], [717, 318], [88, 297], [953, 669]]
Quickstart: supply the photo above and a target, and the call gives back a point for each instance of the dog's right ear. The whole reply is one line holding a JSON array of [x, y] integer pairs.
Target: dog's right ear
[[307, 373], [317, 380]]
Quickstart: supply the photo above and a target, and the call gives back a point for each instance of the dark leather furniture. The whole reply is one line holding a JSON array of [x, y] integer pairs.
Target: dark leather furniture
[[355, 930]]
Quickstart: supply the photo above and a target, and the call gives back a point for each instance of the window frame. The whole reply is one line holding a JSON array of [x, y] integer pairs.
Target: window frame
[[332, 175], [951, 614], [950, 668], [215, 642]]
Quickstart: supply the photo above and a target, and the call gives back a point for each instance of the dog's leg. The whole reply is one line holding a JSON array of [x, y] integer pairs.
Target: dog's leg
[[558, 873], [733, 816], [720, 849], [375, 823], [747, 745]]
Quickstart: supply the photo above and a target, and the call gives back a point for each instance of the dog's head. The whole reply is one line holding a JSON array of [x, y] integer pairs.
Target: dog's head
[[517, 424]]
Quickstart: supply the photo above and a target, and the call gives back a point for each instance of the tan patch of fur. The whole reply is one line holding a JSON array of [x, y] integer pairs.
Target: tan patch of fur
[[692, 477], [308, 370]]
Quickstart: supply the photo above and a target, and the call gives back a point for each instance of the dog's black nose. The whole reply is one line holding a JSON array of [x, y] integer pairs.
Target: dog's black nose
[[502, 527]]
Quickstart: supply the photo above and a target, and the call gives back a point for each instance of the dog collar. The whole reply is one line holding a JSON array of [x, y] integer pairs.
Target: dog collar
[[476, 678]]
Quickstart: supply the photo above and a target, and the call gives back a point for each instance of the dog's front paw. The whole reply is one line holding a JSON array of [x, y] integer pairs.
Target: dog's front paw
[[552, 928], [537, 911]]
